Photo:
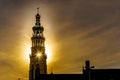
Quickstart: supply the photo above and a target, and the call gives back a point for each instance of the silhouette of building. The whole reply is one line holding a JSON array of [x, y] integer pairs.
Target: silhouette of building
[[90, 73], [38, 57], [38, 67]]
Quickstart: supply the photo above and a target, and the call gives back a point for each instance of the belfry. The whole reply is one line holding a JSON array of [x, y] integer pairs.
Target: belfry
[[37, 57]]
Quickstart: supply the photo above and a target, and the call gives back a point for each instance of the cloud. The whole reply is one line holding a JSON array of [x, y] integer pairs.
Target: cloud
[[80, 29]]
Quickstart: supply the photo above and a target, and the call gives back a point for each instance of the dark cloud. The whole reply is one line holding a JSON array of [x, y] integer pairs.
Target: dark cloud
[[87, 28], [81, 29]]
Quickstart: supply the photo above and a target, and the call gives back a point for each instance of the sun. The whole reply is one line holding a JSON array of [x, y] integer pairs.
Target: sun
[[48, 52]]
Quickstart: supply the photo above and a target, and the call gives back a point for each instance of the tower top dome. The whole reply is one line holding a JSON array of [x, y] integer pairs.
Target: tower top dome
[[38, 16]]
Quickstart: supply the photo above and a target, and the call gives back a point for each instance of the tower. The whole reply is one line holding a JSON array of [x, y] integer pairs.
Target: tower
[[37, 57]]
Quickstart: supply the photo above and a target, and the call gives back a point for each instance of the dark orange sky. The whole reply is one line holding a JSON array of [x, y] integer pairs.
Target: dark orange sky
[[75, 30]]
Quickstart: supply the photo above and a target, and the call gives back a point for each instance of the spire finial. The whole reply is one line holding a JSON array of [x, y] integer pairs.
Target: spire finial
[[51, 70], [38, 10], [37, 17], [18, 78]]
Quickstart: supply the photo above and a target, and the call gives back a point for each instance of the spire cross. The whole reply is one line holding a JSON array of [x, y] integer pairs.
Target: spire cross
[[38, 10]]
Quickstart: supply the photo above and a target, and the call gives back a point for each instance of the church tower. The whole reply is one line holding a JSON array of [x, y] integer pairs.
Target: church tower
[[37, 57]]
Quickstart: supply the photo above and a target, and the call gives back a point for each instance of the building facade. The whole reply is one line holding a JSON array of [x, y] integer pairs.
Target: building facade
[[37, 57]]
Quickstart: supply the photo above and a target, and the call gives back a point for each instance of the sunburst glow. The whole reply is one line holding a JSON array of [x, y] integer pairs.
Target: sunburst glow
[[48, 52], [27, 51]]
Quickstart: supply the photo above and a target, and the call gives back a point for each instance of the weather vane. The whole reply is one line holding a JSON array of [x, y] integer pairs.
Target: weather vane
[[38, 10]]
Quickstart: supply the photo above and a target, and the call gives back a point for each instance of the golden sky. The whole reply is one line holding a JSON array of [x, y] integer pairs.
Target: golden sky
[[75, 31]]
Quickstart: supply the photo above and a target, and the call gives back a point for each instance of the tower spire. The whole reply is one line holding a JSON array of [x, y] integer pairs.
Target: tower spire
[[38, 64], [37, 18]]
